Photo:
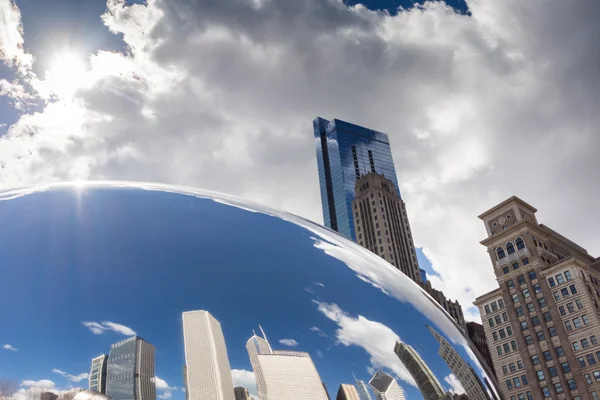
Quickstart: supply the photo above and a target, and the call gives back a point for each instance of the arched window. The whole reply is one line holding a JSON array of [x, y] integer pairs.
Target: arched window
[[520, 244], [500, 253], [510, 248]]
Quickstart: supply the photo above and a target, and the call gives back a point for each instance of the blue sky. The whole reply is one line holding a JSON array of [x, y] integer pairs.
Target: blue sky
[[139, 258]]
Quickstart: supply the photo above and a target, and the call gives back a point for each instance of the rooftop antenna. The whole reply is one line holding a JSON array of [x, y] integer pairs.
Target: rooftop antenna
[[265, 337], [354, 377]]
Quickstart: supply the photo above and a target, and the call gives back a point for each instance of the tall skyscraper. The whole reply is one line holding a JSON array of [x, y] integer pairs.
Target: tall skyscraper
[[543, 318], [283, 375], [345, 152], [362, 389], [97, 378], [130, 371], [208, 373], [241, 393], [347, 392], [477, 336], [460, 368], [386, 387], [426, 381]]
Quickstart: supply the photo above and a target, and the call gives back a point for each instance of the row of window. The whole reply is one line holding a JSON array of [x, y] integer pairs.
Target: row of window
[[591, 359], [512, 367], [535, 321], [516, 382], [570, 307], [558, 388], [558, 279], [588, 377], [530, 307], [510, 248], [577, 322], [515, 265], [494, 306], [540, 335], [560, 352], [521, 279], [505, 348], [502, 333], [552, 371], [585, 343], [497, 320], [526, 294], [521, 396], [564, 292]]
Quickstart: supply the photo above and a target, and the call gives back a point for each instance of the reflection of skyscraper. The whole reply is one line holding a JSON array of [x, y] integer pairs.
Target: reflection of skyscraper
[[347, 392], [241, 393], [362, 389], [462, 370], [130, 371], [283, 375], [97, 377], [345, 152], [208, 373], [426, 381], [386, 387]]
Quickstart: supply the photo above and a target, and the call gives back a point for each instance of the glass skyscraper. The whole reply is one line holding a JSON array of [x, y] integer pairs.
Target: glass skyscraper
[[97, 377], [345, 152], [130, 372]]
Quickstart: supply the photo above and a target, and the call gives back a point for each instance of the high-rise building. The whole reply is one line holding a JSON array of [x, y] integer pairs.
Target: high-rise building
[[426, 381], [207, 365], [386, 387], [347, 392], [130, 370], [345, 152], [452, 307], [460, 368], [241, 393], [477, 336], [362, 389], [283, 375], [97, 378], [542, 322]]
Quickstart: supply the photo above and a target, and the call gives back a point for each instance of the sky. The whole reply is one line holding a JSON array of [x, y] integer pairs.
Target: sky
[[481, 100], [103, 263]]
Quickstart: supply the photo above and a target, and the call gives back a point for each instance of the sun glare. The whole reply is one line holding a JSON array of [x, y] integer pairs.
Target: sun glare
[[67, 74]]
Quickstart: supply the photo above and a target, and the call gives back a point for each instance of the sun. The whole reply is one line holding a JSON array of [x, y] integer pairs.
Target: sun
[[67, 73]]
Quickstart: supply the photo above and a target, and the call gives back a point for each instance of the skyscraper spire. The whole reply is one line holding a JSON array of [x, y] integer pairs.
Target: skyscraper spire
[[265, 337]]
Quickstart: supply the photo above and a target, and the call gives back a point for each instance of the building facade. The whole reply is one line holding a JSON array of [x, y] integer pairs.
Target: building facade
[[542, 323], [130, 370], [362, 389], [452, 307], [460, 368], [283, 375], [241, 393], [477, 336], [347, 392], [345, 152], [426, 381], [97, 378], [208, 373], [386, 387]]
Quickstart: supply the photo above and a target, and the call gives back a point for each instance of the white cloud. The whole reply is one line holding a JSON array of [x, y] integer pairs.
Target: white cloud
[[318, 331], [246, 379], [319, 284], [455, 385], [45, 384], [289, 342], [374, 337], [258, 89], [72, 378], [165, 395], [100, 328], [9, 347], [320, 353], [163, 386]]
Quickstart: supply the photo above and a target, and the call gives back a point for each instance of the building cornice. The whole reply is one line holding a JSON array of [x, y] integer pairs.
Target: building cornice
[[567, 262], [488, 296], [510, 233], [505, 203]]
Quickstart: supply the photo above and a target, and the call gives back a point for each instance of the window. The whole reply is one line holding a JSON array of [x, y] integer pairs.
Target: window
[[530, 307], [498, 320], [584, 343], [540, 375], [509, 331], [588, 379], [581, 362], [559, 279], [556, 296], [504, 370], [505, 270], [515, 265], [521, 280], [561, 310], [576, 322], [537, 288], [509, 384], [499, 350], [573, 289], [568, 275], [570, 307], [596, 375], [590, 359], [517, 382], [551, 282], [513, 344], [525, 261], [564, 292], [553, 371], [535, 359], [501, 303], [560, 351], [515, 298], [542, 301], [576, 346], [547, 355], [521, 395], [552, 331], [504, 317], [558, 387], [595, 396], [502, 334], [524, 379], [579, 304], [546, 391], [510, 284], [593, 340], [506, 348], [524, 325], [519, 364], [512, 367], [519, 243], [495, 336], [500, 253], [494, 306], [510, 248], [568, 326], [565, 367], [535, 321], [526, 293], [547, 316], [529, 395], [528, 340], [519, 311], [585, 319], [491, 322]]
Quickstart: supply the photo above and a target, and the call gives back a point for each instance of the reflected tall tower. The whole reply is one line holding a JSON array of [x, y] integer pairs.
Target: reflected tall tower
[[130, 370], [426, 381], [208, 373], [362, 389], [283, 375], [97, 378], [345, 152], [347, 392], [461, 369], [386, 387]]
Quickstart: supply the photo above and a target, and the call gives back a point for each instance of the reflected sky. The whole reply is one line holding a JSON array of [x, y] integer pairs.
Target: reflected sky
[[88, 266]]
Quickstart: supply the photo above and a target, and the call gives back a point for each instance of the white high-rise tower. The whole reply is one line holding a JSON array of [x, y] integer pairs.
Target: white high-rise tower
[[208, 373], [386, 387], [283, 375]]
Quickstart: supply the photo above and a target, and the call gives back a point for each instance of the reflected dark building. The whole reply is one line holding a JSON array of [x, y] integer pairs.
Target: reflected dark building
[[241, 393], [347, 392], [48, 396], [426, 381], [97, 378], [386, 387], [463, 371], [130, 371], [452, 307], [344, 153], [477, 336]]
